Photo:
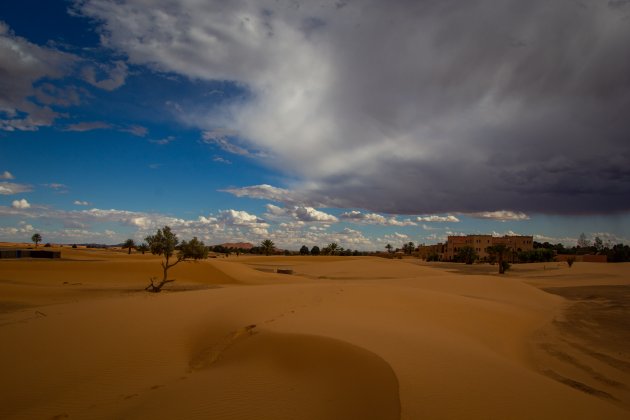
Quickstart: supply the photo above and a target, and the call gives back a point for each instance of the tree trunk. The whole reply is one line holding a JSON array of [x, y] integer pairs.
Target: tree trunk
[[165, 267], [129, 251], [156, 288]]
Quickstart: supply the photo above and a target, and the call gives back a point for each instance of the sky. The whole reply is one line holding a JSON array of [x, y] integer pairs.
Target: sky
[[357, 122]]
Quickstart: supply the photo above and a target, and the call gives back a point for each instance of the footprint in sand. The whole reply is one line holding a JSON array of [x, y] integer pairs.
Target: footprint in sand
[[210, 355], [267, 321]]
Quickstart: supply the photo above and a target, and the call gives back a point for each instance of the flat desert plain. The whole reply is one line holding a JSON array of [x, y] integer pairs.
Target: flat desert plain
[[340, 338]]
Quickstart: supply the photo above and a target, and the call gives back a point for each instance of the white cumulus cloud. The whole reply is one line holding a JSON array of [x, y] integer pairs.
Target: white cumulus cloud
[[435, 218], [374, 219], [6, 175], [10, 188], [500, 215], [301, 213], [239, 218], [105, 76], [310, 214], [20, 204], [263, 191]]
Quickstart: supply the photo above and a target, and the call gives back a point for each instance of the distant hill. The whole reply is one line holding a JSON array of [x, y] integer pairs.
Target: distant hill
[[238, 245]]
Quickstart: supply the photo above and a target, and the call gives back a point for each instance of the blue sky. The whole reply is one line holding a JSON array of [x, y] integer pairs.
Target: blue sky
[[312, 123]]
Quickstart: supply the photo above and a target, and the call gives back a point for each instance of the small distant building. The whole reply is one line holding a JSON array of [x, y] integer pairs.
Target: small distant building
[[481, 242], [28, 253]]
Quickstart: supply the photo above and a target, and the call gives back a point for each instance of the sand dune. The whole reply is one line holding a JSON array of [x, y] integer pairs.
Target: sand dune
[[342, 338]]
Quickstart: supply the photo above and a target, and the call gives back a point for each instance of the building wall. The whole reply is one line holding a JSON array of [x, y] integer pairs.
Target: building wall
[[583, 258], [424, 251], [480, 242]]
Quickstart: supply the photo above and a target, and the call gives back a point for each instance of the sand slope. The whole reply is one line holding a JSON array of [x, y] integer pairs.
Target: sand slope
[[342, 338]]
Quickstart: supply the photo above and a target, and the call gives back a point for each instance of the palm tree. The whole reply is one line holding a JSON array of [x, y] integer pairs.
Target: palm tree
[[408, 248], [129, 243], [499, 251], [389, 248], [37, 238], [267, 246]]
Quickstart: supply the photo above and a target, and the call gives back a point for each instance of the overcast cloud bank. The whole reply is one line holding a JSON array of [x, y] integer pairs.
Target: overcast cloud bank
[[409, 106]]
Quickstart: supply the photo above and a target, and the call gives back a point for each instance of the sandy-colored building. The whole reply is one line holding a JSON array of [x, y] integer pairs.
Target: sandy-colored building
[[480, 242], [426, 251]]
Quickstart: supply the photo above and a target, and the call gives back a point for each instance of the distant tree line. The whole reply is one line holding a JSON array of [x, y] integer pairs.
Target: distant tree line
[[614, 252], [468, 255], [546, 252], [268, 247]]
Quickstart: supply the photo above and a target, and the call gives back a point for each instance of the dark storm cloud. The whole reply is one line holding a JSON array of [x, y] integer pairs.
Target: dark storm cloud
[[412, 107]]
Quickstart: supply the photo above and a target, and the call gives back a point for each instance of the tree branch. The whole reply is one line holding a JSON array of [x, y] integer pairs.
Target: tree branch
[[157, 288], [179, 259]]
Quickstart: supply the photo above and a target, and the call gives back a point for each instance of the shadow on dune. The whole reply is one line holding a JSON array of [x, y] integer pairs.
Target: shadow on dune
[[264, 374], [587, 345]]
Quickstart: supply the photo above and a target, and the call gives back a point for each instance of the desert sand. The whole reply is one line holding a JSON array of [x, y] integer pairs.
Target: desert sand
[[340, 338]]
